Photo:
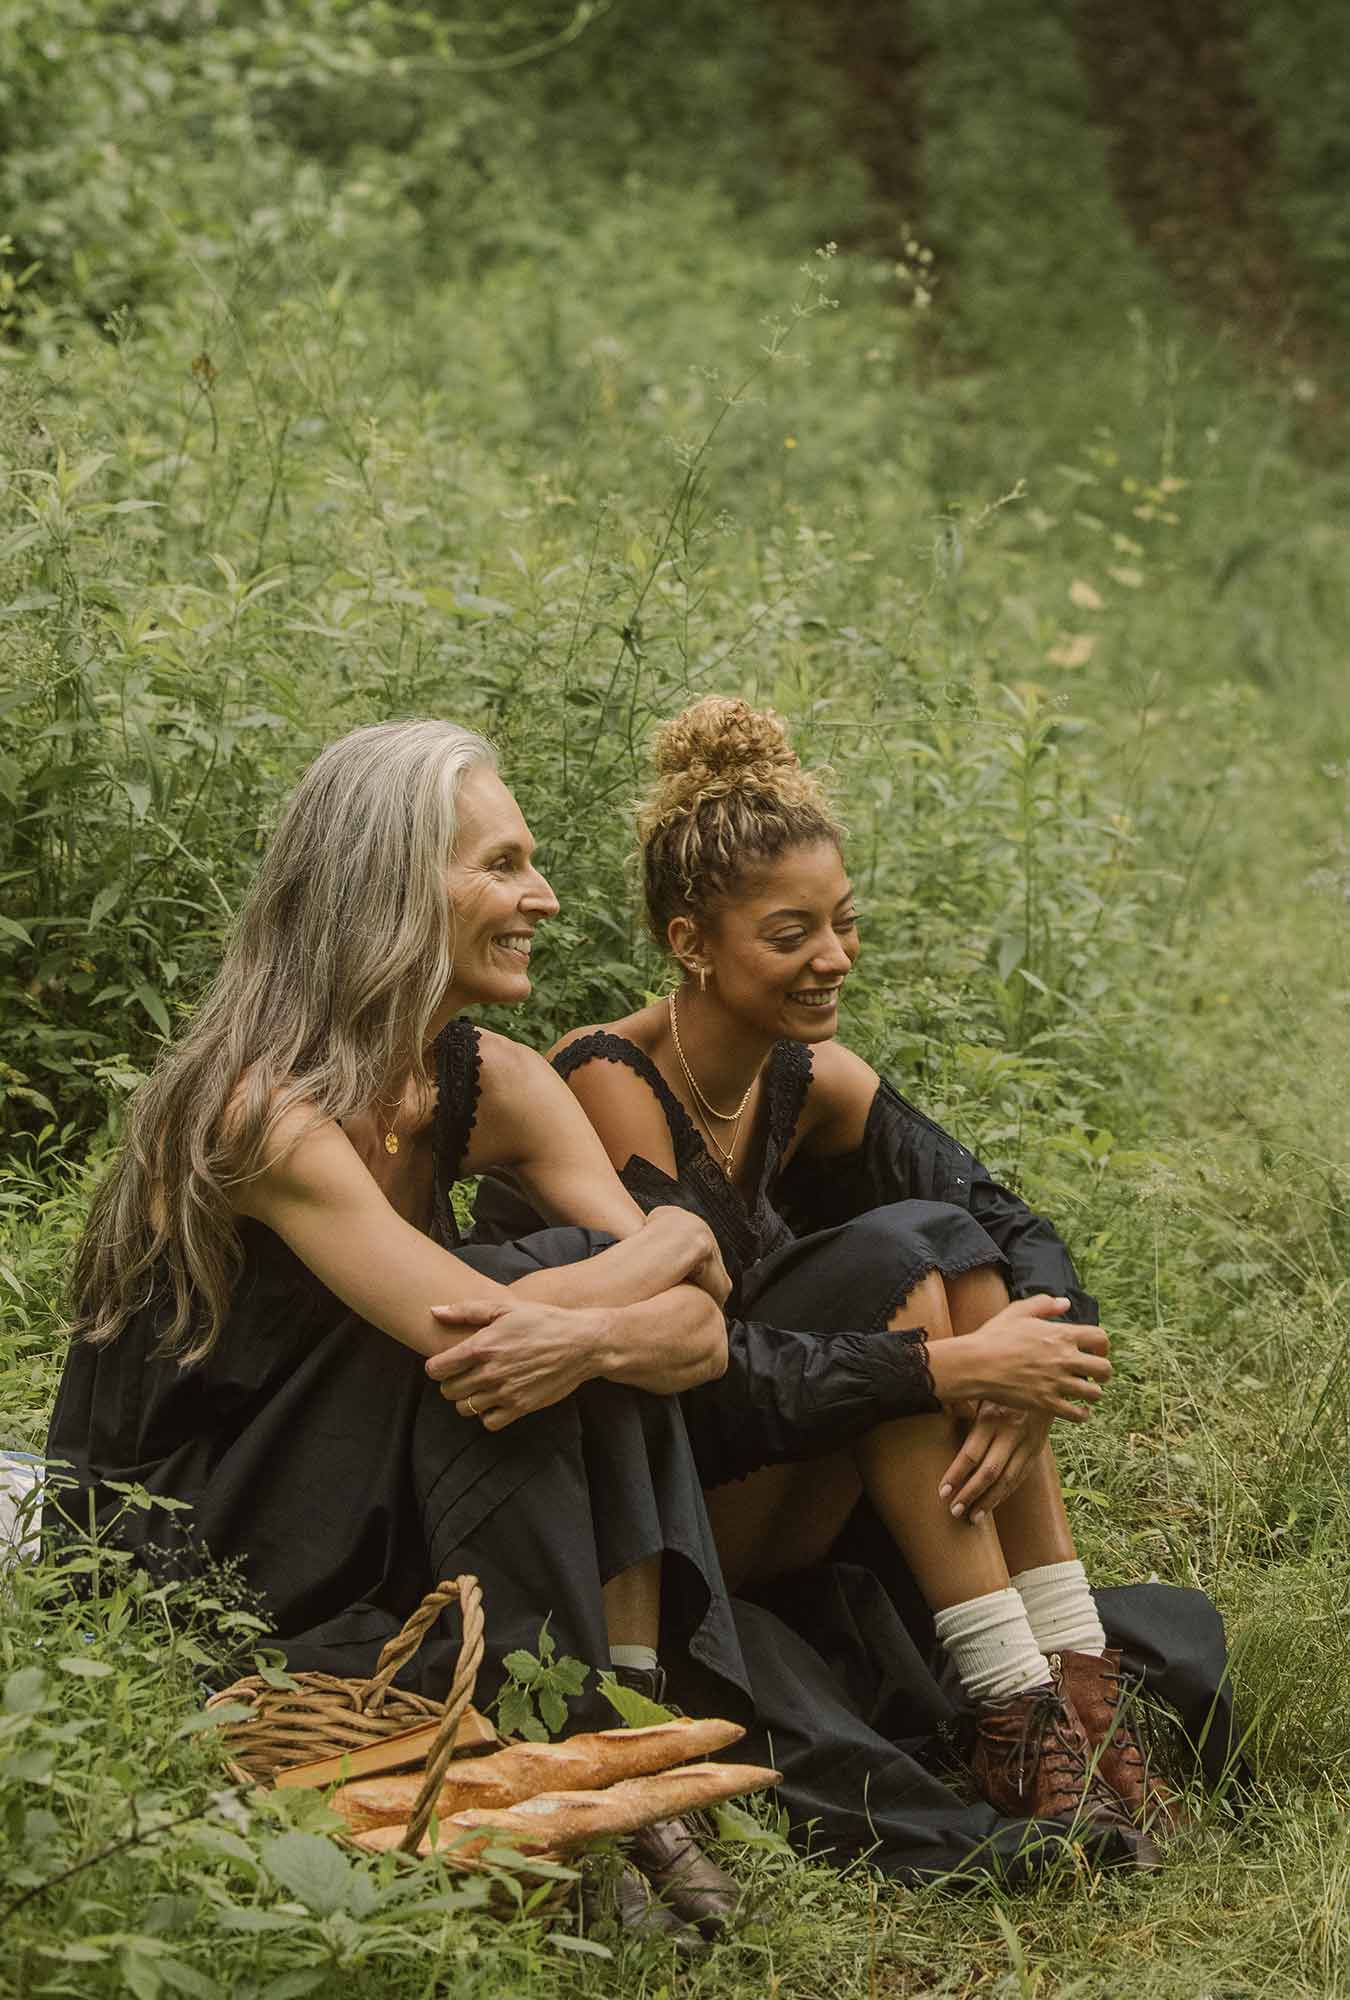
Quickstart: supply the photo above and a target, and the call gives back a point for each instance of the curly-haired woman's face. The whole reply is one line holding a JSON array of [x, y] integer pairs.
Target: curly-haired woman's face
[[497, 894], [781, 949]]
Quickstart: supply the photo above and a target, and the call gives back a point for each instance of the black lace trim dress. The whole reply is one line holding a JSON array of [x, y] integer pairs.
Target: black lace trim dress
[[315, 1454], [854, 1698]]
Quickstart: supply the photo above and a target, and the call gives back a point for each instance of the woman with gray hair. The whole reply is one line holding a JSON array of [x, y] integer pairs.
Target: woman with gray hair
[[254, 1292]]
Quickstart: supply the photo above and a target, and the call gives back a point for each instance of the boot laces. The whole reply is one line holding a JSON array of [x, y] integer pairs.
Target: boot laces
[[1045, 1737]]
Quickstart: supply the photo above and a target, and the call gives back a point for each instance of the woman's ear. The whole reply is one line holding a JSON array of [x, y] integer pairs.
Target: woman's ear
[[686, 941]]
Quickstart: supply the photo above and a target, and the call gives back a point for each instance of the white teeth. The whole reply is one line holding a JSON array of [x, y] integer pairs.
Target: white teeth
[[815, 999], [518, 944]]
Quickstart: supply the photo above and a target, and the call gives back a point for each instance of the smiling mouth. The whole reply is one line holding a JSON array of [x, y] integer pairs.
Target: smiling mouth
[[518, 943], [820, 998]]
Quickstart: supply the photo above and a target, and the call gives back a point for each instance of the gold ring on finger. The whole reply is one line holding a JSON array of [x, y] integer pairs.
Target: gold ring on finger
[[473, 1406]]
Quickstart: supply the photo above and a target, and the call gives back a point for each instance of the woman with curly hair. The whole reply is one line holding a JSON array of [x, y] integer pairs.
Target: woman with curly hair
[[911, 1329]]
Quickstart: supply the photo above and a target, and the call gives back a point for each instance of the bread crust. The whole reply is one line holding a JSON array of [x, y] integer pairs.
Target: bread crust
[[579, 1763]]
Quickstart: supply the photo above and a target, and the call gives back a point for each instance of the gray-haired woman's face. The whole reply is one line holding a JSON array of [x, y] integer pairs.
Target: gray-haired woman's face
[[497, 894]]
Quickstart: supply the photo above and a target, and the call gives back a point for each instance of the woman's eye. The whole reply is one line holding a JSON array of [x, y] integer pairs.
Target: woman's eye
[[848, 923], [791, 942]]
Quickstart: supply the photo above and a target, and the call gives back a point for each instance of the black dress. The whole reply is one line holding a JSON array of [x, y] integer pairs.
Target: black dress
[[852, 1692], [316, 1455]]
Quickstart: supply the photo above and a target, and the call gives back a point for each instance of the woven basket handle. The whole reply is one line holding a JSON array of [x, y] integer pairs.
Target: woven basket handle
[[401, 1648]]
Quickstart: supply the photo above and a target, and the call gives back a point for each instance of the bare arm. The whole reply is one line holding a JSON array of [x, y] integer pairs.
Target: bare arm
[[317, 1195], [502, 1371]]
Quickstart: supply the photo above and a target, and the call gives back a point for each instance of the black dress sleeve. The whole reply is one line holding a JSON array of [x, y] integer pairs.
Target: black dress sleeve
[[788, 1396], [905, 1156]]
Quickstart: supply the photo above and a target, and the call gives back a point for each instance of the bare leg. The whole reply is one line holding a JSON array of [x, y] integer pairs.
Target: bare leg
[[901, 1463], [783, 1518], [1033, 1527], [632, 1602]]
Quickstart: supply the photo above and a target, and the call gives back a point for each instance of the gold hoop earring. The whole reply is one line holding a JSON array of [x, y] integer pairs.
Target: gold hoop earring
[[702, 978]]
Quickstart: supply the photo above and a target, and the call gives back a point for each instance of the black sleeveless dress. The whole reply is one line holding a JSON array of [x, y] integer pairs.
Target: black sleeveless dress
[[852, 1692], [315, 1454]]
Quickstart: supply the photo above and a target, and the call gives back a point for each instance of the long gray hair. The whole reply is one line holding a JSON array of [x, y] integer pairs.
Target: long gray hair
[[342, 953]]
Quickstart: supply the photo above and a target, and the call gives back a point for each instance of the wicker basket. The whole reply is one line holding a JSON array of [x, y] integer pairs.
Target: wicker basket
[[322, 1716]]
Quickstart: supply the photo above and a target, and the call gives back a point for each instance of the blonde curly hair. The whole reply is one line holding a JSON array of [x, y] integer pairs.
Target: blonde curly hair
[[730, 792]]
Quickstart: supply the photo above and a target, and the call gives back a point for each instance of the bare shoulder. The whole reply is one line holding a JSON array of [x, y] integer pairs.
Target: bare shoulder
[[505, 1062], [640, 1028], [842, 1089], [620, 1102], [302, 1148]]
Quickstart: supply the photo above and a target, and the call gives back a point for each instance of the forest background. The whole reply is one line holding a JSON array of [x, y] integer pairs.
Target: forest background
[[968, 382]]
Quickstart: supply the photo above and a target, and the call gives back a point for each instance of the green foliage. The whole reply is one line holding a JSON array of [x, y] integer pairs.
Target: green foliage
[[533, 1698], [354, 368], [634, 1709]]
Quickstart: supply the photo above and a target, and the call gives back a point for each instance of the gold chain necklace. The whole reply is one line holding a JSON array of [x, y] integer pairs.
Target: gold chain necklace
[[703, 1108]]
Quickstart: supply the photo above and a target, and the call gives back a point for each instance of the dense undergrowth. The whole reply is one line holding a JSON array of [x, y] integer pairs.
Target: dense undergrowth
[[345, 379]]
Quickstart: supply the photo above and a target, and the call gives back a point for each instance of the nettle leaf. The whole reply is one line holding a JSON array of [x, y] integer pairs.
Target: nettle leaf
[[570, 1676], [88, 1670], [553, 1709], [514, 1710], [522, 1667], [311, 1869]]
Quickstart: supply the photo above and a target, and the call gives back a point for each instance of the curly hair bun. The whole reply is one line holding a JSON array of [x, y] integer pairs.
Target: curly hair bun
[[722, 745], [730, 790]]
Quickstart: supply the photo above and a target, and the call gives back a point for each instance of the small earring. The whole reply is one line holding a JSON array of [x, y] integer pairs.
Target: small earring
[[702, 978]]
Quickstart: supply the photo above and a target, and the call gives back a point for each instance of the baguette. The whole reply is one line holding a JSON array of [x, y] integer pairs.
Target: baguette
[[556, 1823], [581, 1763]]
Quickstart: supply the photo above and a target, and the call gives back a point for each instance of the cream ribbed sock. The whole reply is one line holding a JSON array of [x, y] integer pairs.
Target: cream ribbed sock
[[992, 1647], [633, 1656], [1060, 1609]]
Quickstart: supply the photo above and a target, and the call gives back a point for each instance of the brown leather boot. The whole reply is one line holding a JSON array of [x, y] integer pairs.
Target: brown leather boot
[[1032, 1761], [682, 1876], [1095, 1690]]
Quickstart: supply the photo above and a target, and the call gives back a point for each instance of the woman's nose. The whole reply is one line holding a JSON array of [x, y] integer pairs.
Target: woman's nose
[[832, 958], [538, 898]]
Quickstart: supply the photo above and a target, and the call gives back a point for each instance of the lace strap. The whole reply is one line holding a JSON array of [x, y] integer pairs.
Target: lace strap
[[602, 1046], [786, 1083], [459, 1083]]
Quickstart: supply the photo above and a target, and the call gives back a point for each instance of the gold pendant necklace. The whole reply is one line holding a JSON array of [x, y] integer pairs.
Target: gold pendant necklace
[[703, 1109]]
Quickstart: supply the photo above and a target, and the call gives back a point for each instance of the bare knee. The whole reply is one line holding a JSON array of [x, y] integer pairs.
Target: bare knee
[[975, 1296], [926, 1306]]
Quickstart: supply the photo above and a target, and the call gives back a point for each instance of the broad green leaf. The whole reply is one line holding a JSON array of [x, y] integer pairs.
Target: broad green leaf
[[25, 1692], [214, 1718], [311, 1869], [635, 1710], [586, 1947], [153, 1005], [734, 1823], [89, 1670]]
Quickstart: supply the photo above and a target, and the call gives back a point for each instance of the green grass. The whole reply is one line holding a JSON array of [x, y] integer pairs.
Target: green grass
[[1044, 569]]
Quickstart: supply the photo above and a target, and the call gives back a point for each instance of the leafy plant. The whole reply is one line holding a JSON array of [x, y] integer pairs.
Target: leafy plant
[[533, 1699]]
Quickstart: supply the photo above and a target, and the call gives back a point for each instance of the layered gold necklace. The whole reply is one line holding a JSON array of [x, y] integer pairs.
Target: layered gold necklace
[[703, 1109]]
